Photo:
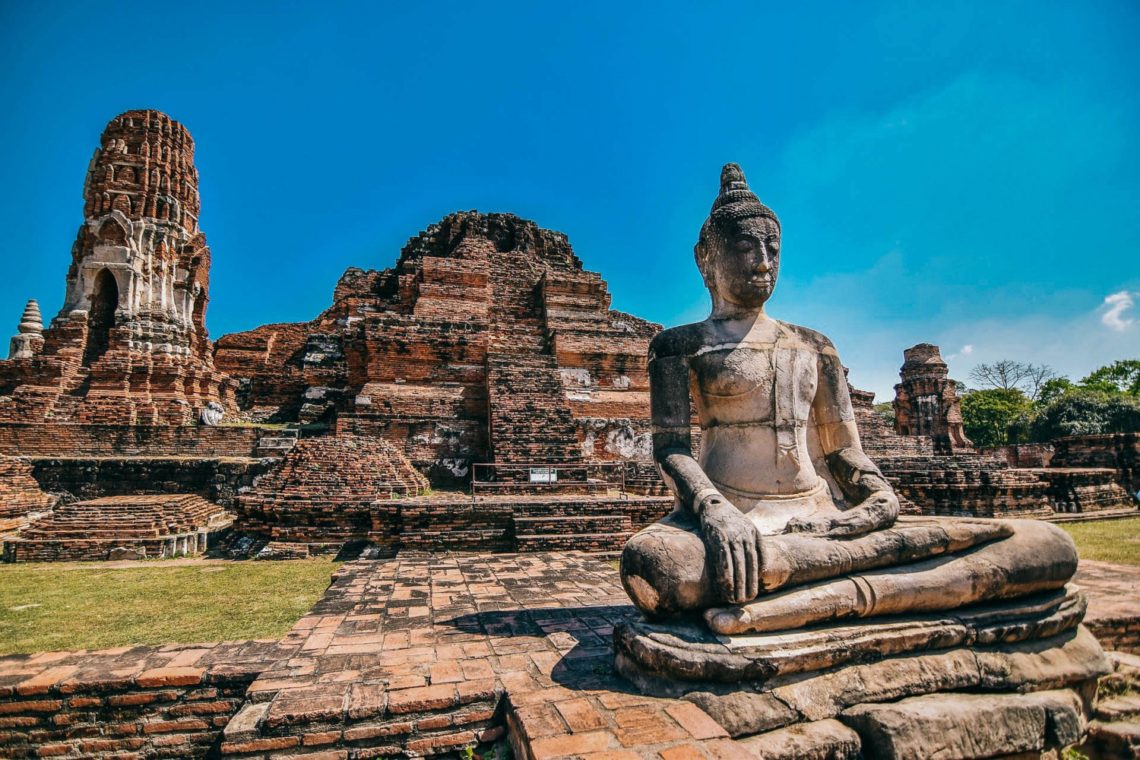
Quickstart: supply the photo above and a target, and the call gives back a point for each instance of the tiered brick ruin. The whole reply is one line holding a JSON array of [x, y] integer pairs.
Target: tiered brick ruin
[[321, 494], [20, 494], [129, 345], [926, 402], [936, 471], [120, 527], [486, 341]]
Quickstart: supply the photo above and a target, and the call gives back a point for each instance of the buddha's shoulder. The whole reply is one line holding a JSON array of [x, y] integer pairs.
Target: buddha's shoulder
[[683, 340], [809, 338]]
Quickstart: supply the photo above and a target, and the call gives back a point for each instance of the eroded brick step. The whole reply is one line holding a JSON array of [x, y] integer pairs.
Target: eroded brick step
[[582, 524], [571, 508], [419, 721], [457, 540], [586, 542]]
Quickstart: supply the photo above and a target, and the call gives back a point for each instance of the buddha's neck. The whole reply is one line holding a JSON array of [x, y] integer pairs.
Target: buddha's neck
[[727, 311]]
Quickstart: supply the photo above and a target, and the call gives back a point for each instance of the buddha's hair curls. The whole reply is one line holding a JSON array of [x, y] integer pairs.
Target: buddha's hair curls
[[736, 201]]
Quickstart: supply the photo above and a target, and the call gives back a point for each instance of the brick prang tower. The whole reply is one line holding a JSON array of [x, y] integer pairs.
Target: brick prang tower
[[926, 402], [129, 345]]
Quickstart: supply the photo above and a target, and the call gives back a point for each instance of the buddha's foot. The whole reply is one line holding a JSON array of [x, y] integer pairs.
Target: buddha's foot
[[1037, 557]]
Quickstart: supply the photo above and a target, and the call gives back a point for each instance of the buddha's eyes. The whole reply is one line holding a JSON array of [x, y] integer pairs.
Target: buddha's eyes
[[748, 243]]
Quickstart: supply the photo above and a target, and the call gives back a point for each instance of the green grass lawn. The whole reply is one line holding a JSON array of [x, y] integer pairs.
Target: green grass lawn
[[1107, 540], [46, 606]]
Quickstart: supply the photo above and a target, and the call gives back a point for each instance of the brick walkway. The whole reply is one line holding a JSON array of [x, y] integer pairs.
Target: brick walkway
[[416, 655], [427, 652]]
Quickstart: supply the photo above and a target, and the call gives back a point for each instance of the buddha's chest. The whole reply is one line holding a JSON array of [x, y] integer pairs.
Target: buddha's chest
[[755, 383]]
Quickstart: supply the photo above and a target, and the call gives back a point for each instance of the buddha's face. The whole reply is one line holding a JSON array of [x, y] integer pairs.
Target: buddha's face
[[744, 269]]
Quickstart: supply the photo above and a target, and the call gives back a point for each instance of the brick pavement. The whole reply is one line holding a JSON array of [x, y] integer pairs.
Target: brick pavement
[[418, 655], [428, 652]]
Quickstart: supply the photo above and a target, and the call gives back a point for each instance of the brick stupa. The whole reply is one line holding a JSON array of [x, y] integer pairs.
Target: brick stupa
[[486, 341], [129, 345]]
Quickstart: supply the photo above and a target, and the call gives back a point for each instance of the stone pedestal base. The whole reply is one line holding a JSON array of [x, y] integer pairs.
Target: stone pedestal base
[[956, 684]]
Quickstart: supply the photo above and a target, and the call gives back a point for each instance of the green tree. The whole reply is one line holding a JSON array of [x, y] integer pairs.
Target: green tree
[[886, 410], [1009, 375], [1052, 390], [1119, 377], [988, 414], [1086, 412]]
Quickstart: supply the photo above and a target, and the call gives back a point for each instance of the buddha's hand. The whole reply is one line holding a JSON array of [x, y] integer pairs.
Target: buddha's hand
[[877, 511], [733, 546]]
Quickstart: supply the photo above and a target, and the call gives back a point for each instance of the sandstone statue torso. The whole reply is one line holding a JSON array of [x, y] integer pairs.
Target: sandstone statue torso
[[754, 388]]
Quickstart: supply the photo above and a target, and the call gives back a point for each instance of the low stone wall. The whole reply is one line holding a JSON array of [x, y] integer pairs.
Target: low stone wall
[[1121, 634], [1120, 451], [445, 522], [47, 440], [1022, 454], [967, 485], [90, 478], [153, 702]]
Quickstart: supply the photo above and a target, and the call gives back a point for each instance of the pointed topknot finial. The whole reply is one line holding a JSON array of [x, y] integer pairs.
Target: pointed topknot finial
[[732, 178], [736, 200], [32, 322]]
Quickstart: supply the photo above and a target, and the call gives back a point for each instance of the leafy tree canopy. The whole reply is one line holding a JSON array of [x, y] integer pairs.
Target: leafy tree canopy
[[1086, 412], [988, 414], [1119, 377], [886, 410]]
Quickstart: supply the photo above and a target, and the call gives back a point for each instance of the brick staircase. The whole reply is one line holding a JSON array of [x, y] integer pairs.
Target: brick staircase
[[530, 420], [602, 525], [140, 526], [642, 478]]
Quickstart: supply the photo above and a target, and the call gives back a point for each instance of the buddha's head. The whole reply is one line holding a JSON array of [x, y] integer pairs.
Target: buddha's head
[[738, 252]]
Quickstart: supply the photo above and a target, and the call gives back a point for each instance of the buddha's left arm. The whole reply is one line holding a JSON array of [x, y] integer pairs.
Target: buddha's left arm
[[873, 501]]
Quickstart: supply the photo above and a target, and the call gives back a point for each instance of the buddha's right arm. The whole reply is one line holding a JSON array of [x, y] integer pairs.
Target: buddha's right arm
[[672, 436]]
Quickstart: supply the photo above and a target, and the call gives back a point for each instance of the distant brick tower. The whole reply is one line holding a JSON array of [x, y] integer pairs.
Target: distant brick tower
[[130, 343], [926, 402]]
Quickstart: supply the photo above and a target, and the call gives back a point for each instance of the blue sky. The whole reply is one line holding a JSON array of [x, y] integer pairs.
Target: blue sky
[[964, 174]]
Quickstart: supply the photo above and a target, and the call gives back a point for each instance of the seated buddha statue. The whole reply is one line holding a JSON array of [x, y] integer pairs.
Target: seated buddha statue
[[783, 520]]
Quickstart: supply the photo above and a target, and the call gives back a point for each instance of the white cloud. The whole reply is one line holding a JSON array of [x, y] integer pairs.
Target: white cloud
[[966, 350], [1114, 307]]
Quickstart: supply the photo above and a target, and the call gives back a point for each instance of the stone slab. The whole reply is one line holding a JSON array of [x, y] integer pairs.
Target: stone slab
[[689, 652], [965, 726]]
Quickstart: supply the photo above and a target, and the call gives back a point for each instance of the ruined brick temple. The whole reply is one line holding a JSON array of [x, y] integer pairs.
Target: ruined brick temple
[[487, 342], [473, 615], [129, 345], [926, 402]]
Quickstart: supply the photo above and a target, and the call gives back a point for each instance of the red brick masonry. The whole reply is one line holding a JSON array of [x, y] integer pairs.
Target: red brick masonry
[[420, 654]]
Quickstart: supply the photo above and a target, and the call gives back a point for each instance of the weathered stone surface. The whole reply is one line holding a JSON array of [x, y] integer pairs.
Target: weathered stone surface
[[130, 343], [743, 713], [965, 726], [819, 740], [689, 652], [1113, 741]]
